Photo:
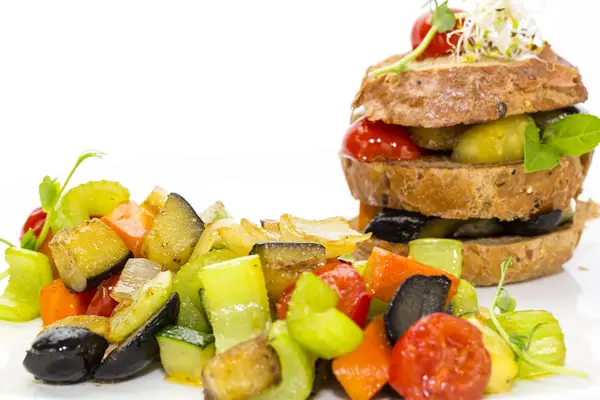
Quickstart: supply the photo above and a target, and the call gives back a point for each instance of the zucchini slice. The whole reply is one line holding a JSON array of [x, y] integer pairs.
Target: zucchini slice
[[242, 372], [173, 235], [93, 323], [184, 351], [147, 301], [89, 254]]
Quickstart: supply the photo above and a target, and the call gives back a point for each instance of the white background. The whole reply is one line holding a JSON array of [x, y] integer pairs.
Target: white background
[[240, 101]]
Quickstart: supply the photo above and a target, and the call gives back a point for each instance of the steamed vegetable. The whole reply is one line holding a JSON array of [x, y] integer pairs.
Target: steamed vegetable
[[183, 353], [365, 371], [131, 222], [65, 355], [155, 201], [58, 302], [235, 299], [148, 300], [188, 284], [243, 371], [173, 235], [444, 254], [140, 348], [94, 323], [135, 274], [316, 324], [397, 226], [297, 366], [88, 254], [102, 303], [465, 301], [29, 272]]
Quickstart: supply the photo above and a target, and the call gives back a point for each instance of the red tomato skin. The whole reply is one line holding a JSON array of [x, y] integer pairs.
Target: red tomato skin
[[439, 45], [102, 304], [34, 221], [375, 140], [440, 357]]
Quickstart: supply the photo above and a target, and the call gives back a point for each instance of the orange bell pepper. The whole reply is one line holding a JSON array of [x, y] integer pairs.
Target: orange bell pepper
[[366, 215], [365, 371], [386, 271], [58, 302], [131, 222]]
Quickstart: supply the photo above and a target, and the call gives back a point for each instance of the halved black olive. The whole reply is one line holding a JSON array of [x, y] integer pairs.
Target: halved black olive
[[323, 375], [544, 118], [416, 297], [538, 225], [397, 226], [65, 354], [478, 228], [140, 348]]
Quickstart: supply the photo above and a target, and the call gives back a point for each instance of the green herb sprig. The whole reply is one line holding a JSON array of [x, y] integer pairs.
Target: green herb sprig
[[571, 136], [518, 343]]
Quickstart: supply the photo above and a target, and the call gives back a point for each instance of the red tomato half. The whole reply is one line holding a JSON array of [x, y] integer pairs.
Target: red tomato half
[[102, 304], [371, 140], [440, 357], [35, 221], [440, 44], [349, 285]]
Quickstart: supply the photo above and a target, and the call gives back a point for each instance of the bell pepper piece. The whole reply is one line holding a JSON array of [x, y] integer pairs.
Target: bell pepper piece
[[297, 365], [102, 303], [131, 222], [316, 324], [58, 302], [29, 272], [386, 271], [365, 371]]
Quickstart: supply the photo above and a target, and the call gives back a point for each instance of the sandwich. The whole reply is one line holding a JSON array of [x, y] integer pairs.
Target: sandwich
[[478, 135]]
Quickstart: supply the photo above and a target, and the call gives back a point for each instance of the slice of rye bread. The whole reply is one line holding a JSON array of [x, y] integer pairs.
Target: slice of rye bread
[[438, 187], [440, 92], [533, 257]]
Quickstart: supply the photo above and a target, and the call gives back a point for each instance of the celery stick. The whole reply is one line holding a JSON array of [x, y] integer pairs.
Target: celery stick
[[444, 254]]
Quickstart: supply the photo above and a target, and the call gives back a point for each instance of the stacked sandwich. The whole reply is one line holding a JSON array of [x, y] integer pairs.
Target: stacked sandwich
[[481, 141]]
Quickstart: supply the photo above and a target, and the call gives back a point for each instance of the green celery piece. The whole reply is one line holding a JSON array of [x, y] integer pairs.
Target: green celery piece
[[297, 365], [444, 254], [316, 324], [235, 299], [188, 284], [360, 266], [465, 301], [377, 308], [547, 342], [29, 272]]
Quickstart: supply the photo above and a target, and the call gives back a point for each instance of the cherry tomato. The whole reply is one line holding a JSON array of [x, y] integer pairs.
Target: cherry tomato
[[440, 357], [35, 221], [439, 45], [349, 285], [371, 140], [102, 304]]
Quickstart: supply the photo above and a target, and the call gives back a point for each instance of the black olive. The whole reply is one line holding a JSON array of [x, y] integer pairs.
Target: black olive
[[416, 297], [538, 225], [323, 375], [545, 118], [397, 226], [140, 349], [65, 354]]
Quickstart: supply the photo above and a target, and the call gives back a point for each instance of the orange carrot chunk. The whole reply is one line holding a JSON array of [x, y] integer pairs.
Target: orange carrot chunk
[[131, 222], [58, 302]]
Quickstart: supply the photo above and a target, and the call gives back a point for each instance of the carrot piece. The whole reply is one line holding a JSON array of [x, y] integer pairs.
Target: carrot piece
[[131, 222], [58, 302], [386, 271], [365, 371]]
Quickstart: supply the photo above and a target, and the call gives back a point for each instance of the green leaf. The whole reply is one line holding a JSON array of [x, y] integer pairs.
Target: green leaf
[[574, 135], [519, 340], [444, 18], [49, 189], [538, 156], [505, 303], [28, 241]]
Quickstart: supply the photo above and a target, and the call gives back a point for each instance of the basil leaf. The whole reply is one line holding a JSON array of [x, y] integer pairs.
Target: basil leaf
[[49, 189], [28, 241], [506, 303], [443, 17], [574, 135], [538, 156]]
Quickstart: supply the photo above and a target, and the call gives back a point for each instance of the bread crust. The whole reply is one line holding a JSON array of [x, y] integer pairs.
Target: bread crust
[[437, 186], [533, 257], [439, 92]]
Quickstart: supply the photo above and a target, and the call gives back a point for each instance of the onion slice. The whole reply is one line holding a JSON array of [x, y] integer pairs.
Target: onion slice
[[136, 273]]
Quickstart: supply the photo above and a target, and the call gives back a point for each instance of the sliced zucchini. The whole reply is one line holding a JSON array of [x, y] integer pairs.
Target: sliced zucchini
[[214, 213], [184, 351], [173, 235], [156, 200], [140, 349], [242, 372], [283, 262], [88, 254], [147, 301], [94, 323], [92, 199]]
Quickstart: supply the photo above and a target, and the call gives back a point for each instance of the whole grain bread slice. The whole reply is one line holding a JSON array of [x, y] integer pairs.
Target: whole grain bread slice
[[441, 92], [533, 257], [437, 186]]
